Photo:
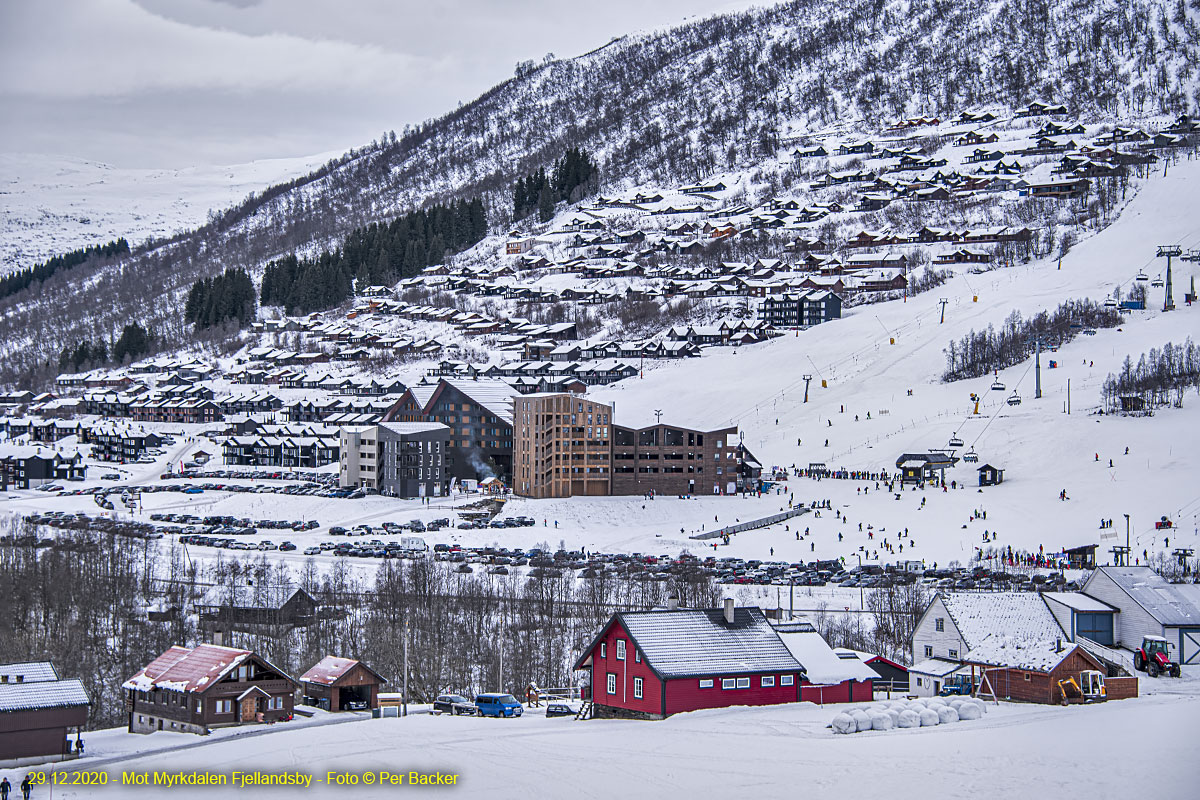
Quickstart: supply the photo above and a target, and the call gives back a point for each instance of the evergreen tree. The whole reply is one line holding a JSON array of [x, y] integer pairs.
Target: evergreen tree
[[134, 343]]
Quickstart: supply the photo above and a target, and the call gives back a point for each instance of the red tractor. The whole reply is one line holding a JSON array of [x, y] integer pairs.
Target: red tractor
[[1153, 659]]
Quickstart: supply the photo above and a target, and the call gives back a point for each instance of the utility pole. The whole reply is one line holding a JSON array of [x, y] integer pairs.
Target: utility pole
[[1127, 550], [406, 665], [1068, 395], [501, 642], [807, 380], [943, 301], [1169, 251], [1037, 394]]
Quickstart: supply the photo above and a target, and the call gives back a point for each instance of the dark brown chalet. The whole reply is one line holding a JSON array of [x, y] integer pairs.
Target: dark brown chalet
[[342, 684], [196, 689], [38, 712]]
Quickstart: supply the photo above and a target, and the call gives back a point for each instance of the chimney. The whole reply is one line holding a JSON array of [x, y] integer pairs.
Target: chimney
[[218, 638], [672, 603], [1058, 645], [728, 610]]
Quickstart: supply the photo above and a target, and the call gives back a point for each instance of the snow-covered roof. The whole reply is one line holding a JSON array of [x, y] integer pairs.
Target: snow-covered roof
[[821, 664], [1008, 651], [185, 669], [27, 672], [693, 642], [1167, 603], [979, 615], [934, 666], [42, 694], [413, 427], [1078, 601], [329, 670]]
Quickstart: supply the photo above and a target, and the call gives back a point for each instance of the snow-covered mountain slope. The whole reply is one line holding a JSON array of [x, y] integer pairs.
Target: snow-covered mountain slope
[[53, 204]]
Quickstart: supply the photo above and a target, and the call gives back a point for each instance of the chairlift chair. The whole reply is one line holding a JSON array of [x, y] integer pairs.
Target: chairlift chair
[[1141, 277], [1110, 303], [1157, 282], [955, 443], [1014, 399], [997, 386], [971, 457]]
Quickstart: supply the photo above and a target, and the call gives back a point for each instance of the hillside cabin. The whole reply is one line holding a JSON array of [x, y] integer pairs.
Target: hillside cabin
[[193, 690]]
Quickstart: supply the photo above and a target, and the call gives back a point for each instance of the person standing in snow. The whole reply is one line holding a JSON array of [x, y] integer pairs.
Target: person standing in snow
[[26, 787], [5, 788]]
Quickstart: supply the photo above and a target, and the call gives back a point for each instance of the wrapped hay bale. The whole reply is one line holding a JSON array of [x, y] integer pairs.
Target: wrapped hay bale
[[844, 723], [908, 719], [969, 711], [946, 715], [929, 718], [882, 722]]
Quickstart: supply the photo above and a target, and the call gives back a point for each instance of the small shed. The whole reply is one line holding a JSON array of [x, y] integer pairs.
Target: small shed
[[1082, 557], [342, 684], [990, 476], [1030, 671]]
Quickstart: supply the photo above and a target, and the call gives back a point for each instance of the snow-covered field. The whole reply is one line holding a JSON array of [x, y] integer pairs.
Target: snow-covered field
[[53, 204], [1115, 749]]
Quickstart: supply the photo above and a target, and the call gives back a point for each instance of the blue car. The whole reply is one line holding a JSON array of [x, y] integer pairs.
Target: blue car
[[497, 705]]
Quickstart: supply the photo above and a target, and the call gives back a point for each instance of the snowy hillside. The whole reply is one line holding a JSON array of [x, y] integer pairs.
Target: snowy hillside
[[680, 105], [52, 204]]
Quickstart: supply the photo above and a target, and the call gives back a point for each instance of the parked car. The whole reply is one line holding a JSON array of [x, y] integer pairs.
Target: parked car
[[455, 705], [312, 551], [498, 705], [560, 709]]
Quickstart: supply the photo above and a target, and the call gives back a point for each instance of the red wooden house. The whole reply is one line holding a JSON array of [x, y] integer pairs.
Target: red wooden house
[[651, 664]]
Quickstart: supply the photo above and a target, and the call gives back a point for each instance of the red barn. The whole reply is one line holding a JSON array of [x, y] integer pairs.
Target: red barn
[[651, 664]]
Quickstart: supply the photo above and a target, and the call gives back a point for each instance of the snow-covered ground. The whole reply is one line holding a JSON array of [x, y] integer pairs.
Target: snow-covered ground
[[1115, 749], [53, 204]]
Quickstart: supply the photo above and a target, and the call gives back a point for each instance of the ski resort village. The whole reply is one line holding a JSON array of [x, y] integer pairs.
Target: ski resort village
[[793, 417]]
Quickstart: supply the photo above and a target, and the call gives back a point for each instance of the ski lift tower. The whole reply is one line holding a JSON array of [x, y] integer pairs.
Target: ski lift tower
[[1169, 251], [1037, 371]]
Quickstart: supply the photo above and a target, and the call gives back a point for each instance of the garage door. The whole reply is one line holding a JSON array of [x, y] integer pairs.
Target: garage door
[[1190, 646]]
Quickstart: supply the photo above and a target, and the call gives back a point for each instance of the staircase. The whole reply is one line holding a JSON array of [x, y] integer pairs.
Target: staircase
[[585, 710]]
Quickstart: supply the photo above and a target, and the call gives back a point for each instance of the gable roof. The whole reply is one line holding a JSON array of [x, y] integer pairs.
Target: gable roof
[[698, 642], [1021, 615], [1167, 603], [934, 666], [1033, 655], [330, 669], [192, 670]]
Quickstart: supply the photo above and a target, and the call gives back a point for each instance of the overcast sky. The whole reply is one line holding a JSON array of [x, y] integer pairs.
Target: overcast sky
[[172, 83]]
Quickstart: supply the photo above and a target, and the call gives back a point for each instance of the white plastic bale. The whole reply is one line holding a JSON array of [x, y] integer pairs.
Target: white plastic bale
[[844, 723], [862, 720], [982, 705], [969, 711], [894, 713], [882, 722], [929, 718], [908, 719], [946, 715]]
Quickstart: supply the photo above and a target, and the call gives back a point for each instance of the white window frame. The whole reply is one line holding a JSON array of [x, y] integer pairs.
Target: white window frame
[[611, 683], [929, 651], [620, 649], [787, 680], [743, 683], [728, 683], [767, 681], [952, 653], [939, 624], [603, 649], [637, 688], [706, 683], [637, 655]]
